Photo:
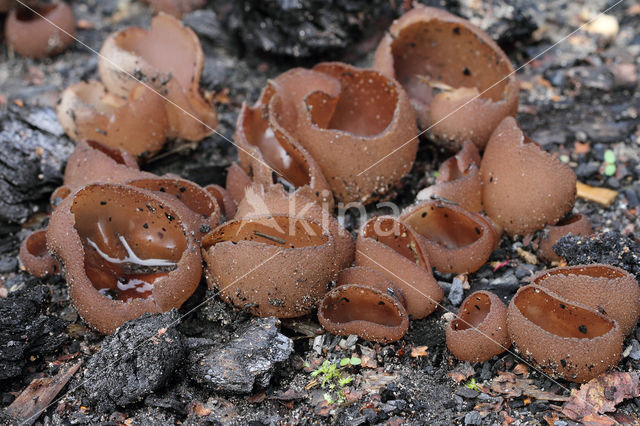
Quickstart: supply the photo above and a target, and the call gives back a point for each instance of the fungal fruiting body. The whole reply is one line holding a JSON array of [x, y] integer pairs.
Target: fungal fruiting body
[[454, 239], [461, 84], [610, 290], [168, 58], [35, 257], [330, 125], [125, 252], [364, 303], [563, 338], [577, 224], [524, 188], [392, 248], [458, 180], [480, 330], [270, 265], [40, 30]]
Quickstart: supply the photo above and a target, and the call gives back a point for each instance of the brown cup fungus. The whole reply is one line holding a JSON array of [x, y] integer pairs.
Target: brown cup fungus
[[343, 119], [458, 180], [125, 252], [577, 224], [224, 199], [461, 84], [609, 290], [563, 338], [273, 265], [93, 162], [392, 248], [454, 239], [35, 257], [480, 329], [365, 303], [197, 208], [168, 58], [32, 34], [524, 188], [237, 182], [138, 124]]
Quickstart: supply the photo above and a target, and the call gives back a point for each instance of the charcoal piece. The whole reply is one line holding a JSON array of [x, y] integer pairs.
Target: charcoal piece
[[611, 248], [247, 360], [135, 361], [32, 160], [303, 28], [24, 327]]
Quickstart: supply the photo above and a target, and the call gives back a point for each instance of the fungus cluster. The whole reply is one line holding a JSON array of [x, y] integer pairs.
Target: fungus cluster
[[130, 242]]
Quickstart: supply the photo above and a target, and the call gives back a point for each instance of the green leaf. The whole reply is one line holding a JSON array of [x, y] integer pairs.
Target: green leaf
[[344, 361], [610, 169], [355, 361], [609, 157]]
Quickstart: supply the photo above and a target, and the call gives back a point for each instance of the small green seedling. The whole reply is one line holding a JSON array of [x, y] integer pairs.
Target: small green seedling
[[471, 384], [332, 377], [609, 163]]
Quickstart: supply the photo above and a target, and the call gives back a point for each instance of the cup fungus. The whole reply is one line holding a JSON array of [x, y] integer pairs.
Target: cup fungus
[[34, 36], [125, 252], [224, 199], [35, 257], [609, 290], [275, 200], [454, 239], [480, 330], [524, 188], [577, 224], [237, 182], [564, 338], [365, 303], [169, 58], [264, 142], [197, 208], [460, 82], [93, 162], [138, 124], [270, 265], [458, 180], [392, 248]]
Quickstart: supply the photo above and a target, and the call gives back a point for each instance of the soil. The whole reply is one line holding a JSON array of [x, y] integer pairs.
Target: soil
[[578, 100]]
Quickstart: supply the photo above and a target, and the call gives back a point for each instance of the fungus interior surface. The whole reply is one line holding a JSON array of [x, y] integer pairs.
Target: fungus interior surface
[[473, 312], [359, 303], [569, 220], [395, 235], [280, 231], [437, 55], [445, 226], [129, 242], [364, 107], [115, 154], [560, 318], [194, 197]]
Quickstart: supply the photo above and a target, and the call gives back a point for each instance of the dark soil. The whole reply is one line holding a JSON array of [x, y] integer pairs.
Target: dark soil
[[578, 100]]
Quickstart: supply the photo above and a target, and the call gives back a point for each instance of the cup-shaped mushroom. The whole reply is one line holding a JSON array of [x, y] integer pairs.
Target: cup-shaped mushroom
[[168, 57], [610, 290], [458, 180], [364, 138], [461, 84], [392, 248], [35, 256], [524, 188], [480, 329], [93, 162], [366, 304], [225, 201], [197, 208], [454, 239], [237, 182], [40, 30], [125, 252], [138, 124], [268, 152], [577, 224], [274, 200], [59, 194], [175, 8], [273, 265], [563, 338]]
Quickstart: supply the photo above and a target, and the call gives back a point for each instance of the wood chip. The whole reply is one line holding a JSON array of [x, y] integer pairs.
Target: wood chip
[[527, 256], [36, 397], [603, 196], [419, 351]]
